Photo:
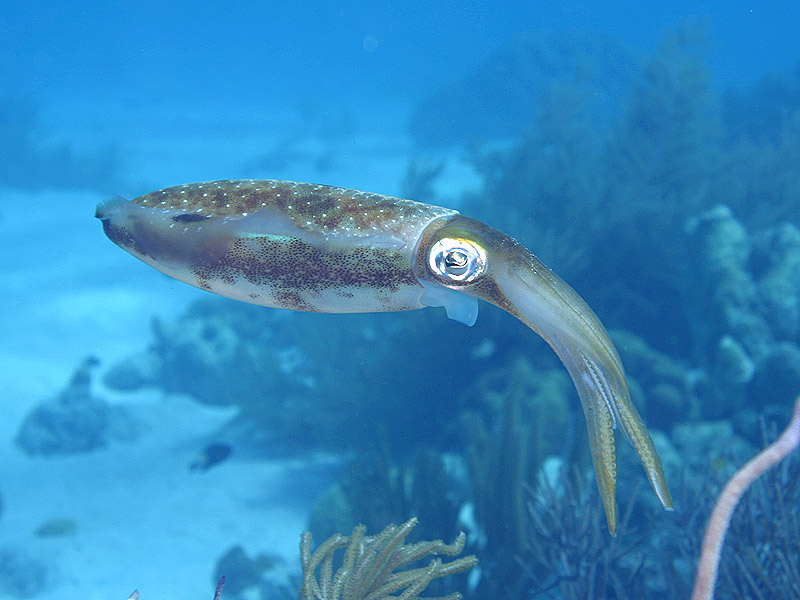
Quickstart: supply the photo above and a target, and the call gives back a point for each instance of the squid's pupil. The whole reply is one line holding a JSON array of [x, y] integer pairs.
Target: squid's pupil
[[456, 259]]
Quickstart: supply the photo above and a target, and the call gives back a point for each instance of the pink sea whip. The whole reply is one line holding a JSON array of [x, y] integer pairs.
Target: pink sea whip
[[720, 518]]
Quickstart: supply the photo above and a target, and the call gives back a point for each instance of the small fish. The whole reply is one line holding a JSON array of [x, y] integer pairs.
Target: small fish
[[212, 455], [57, 527], [319, 248]]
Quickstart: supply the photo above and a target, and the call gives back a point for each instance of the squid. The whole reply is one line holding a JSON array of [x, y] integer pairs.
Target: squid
[[319, 248]]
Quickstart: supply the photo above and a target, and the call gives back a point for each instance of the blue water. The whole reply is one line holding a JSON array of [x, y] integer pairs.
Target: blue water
[[605, 136], [250, 53]]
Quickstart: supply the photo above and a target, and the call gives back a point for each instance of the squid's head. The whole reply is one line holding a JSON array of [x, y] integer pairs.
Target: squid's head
[[460, 259]]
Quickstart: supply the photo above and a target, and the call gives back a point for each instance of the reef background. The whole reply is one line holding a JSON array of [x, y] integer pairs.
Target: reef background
[[651, 158]]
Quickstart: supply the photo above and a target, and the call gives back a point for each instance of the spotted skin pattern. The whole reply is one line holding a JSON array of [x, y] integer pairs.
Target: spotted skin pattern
[[316, 208], [295, 269], [290, 245]]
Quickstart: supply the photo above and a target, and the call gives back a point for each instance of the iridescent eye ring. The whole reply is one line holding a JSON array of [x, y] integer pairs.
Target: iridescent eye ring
[[457, 260]]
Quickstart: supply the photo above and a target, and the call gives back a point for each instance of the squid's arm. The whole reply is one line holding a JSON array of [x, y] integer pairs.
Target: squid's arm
[[513, 278]]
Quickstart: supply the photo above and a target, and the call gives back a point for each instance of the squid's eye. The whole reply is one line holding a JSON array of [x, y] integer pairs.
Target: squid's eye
[[457, 260]]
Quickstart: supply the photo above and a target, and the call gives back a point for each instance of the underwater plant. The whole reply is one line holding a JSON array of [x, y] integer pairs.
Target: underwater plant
[[370, 568]]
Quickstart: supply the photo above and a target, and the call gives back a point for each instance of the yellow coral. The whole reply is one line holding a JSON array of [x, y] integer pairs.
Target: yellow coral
[[369, 569]]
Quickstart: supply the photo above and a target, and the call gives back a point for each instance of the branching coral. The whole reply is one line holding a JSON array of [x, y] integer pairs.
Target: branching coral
[[370, 565]]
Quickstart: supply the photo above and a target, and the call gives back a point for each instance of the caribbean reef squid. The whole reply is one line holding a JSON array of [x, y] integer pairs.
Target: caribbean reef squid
[[318, 248]]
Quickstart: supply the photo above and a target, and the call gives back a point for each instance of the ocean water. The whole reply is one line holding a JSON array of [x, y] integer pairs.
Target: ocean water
[[650, 155]]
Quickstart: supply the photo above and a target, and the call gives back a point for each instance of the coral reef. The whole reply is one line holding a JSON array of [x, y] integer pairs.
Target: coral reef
[[724, 293], [744, 298], [659, 383]]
